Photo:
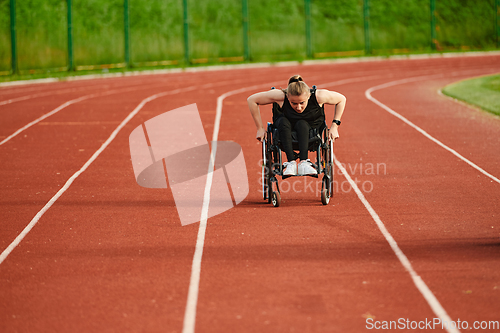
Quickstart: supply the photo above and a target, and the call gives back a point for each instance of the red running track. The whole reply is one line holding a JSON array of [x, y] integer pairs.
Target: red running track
[[110, 256]]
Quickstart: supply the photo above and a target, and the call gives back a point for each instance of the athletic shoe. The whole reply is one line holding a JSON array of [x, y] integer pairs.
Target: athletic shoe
[[290, 168], [305, 168]]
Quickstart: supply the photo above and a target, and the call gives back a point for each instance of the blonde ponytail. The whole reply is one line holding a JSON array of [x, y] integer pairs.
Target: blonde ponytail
[[296, 86]]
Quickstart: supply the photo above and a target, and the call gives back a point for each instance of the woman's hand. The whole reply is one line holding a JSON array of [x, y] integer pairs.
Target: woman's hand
[[261, 134], [262, 98], [333, 133], [332, 98]]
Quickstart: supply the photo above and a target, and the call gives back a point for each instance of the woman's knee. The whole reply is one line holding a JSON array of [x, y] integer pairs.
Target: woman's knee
[[282, 123], [302, 126]]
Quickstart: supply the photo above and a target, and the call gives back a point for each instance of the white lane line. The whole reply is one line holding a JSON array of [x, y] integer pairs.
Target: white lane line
[[57, 92], [352, 80], [68, 183], [194, 282], [417, 280], [78, 123], [36, 121], [192, 298], [427, 135], [63, 106], [47, 93]]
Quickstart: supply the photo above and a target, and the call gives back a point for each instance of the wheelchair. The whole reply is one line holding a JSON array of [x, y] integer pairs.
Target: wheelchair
[[272, 166]]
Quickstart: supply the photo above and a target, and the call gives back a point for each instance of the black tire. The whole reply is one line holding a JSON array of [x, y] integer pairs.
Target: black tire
[[269, 185], [328, 169], [325, 197], [325, 191], [264, 170], [276, 199], [267, 172], [331, 170]]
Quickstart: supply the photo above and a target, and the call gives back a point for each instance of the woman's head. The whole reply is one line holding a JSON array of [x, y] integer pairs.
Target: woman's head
[[297, 86], [298, 93]]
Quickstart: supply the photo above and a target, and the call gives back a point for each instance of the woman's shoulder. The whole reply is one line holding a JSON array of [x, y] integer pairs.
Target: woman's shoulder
[[325, 96], [321, 93], [269, 96]]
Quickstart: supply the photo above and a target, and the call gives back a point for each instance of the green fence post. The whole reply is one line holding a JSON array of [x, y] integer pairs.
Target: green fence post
[[70, 37], [433, 24], [127, 32], [366, 17], [13, 41], [246, 37], [498, 22], [186, 32], [307, 5]]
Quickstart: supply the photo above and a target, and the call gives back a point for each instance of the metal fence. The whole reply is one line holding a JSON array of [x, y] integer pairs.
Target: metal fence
[[365, 28]]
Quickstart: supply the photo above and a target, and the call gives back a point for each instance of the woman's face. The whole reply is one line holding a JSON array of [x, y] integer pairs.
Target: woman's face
[[299, 103]]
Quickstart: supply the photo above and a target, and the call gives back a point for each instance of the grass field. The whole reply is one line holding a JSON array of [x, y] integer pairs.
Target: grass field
[[277, 30], [483, 92]]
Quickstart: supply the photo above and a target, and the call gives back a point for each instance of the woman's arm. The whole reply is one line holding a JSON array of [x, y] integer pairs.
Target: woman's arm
[[332, 98], [262, 98]]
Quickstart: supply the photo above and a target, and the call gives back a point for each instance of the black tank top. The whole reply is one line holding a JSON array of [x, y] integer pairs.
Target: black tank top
[[313, 113]]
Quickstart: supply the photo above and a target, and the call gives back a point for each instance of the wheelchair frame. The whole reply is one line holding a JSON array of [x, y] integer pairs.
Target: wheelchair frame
[[272, 165]]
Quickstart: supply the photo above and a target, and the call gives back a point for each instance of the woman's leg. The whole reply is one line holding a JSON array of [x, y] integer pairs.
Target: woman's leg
[[305, 167], [285, 133], [302, 128]]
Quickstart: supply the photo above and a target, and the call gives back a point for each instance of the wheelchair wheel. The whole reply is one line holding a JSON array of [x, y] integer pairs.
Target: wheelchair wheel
[[325, 195], [276, 199], [267, 189], [264, 170], [328, 172]]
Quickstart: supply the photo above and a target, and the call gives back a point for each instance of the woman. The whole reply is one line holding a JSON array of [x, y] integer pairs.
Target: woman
[[302, 109]]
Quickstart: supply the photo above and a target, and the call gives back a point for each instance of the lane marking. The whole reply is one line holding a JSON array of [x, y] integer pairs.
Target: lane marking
[[63, 106], [57, 92], [78, 123], [32, 88], [417, 280], [36, 121], [352, 80], [194, 284], [193, 292], [70, 181], [408, 122], [43, 94]]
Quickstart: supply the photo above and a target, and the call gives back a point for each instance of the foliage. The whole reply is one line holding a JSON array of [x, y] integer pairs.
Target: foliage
[[277, 29]]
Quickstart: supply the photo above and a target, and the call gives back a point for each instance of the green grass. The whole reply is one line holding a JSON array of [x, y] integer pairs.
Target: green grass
[[277, 30], [483, 92]]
